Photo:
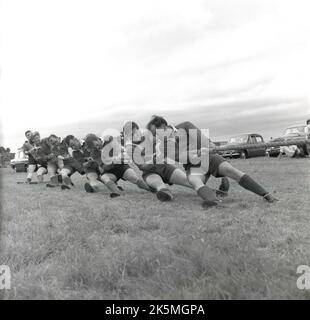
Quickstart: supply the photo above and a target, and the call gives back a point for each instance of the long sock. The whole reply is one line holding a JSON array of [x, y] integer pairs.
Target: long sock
[[248, 183], [112, 187], [40, 178], [224, 186], [66, 180], [54, 179]]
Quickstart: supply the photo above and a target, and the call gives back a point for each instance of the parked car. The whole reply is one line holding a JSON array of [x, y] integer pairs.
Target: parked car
[[20, 161], [219, 143], [245, 139], [290, 133]]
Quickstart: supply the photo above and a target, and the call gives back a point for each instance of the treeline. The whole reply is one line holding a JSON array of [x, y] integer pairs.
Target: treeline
[[5, 156], [4, 150]]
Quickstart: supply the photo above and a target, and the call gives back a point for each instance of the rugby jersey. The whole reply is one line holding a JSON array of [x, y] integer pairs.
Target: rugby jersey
[[42, 152], [184, 140]]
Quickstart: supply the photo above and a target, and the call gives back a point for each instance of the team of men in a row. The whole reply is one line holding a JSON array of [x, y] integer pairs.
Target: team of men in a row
[[104, 161]]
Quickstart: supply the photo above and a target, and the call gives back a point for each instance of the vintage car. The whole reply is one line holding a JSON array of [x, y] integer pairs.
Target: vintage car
[[20, 161], [290, 134], [247, 139]]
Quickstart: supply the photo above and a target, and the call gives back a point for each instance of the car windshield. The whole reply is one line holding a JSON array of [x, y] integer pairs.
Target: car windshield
[[239, 139], [298, 130]]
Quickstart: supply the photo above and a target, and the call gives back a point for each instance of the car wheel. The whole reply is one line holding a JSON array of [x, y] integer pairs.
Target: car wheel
[[243, 154]]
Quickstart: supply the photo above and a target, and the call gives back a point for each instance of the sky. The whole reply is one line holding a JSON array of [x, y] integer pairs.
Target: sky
[[75, 67]]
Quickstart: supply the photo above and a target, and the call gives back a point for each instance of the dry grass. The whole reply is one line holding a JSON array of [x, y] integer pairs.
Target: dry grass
[[73, 245]]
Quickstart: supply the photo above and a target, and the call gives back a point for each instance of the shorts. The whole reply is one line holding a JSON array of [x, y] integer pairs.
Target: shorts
[[40, 170], [73, 166], [214, 162], [36, 167], [92, 167], [42, 164], [118, 170], [31, 160], [165, 171]]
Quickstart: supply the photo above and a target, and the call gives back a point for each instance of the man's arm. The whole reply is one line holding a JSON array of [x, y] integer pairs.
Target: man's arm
[[26, 147], [184, 153], [44, 152]]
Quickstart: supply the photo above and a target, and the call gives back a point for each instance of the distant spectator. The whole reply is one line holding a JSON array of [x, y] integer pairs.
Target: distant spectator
[[32, 164], [292, 152], [307, 129], [5, 156]]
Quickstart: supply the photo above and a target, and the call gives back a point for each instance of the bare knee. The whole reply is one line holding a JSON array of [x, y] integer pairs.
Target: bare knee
[[41, 171], [196, 181], [92, 176], [130, 175], [105, 179], [65, 173], [180, 178], [31, 168], [155, 181]]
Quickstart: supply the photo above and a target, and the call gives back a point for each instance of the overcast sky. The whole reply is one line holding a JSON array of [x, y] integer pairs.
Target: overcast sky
[[83, 66]]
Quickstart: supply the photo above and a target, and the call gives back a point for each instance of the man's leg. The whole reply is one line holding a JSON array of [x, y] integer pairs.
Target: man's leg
[[41, 171], [53, 173], [244, 180], [93, 184], [156, 182], [60, 164], [51, 170], [109, 180], [31, 170], [66, 181], [198, 180], [178, 177], [223, 188], [131, 176]]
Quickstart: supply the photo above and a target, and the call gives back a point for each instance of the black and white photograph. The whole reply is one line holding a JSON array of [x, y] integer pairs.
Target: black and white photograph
[[155, 150]]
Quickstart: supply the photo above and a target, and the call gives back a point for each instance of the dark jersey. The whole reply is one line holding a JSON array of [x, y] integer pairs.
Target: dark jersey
[[60, 149], [82, 155], [193, 133], [42, 153], [27, 146], [142, 152], [187, 138], [111, 148]]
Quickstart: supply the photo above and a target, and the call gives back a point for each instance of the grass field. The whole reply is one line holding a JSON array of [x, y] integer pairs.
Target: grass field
[[73, 245]]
